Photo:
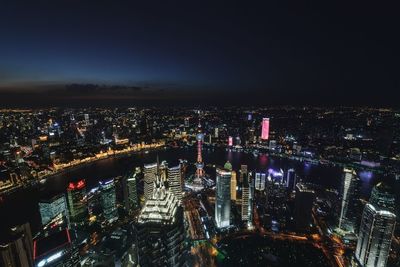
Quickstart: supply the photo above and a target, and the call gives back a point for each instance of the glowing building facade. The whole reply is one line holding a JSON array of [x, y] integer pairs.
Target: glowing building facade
[[160, 230], [175, 182], [230, 141], [291, 180], [77, 207], [223, 198], [132, 191], [245, 197], [52, 207], [233, 186], [377, 227], [349, 214], [265, 129], [150, 174], [260, 181], [108, 200]]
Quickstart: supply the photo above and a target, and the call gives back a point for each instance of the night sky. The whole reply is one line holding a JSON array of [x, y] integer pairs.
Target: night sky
[[325, 53]]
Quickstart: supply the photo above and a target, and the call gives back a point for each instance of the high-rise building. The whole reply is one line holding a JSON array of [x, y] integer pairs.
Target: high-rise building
[[16, 249], [108, 199], [265, 129], [216, 132], [291, 180], [160, 230], [303, 207], [233, 186], [245, 198], [260, 181], [131, 197], [243, 172], [150, 174], [223, 198], [52, 207], [174, 182], [350, 204], [76, 193], [377, 227], [230, 141]]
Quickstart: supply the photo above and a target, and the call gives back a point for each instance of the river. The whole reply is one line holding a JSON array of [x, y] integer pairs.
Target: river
[[23, 206]]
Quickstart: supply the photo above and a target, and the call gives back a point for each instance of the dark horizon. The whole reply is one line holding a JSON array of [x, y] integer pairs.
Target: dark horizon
[[320, 54]]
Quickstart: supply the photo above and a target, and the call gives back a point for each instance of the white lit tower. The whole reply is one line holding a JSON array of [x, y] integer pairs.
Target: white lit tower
[[377, 227]]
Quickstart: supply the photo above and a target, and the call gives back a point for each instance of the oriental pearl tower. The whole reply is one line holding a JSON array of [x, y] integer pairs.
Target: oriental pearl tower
[[199, 163]]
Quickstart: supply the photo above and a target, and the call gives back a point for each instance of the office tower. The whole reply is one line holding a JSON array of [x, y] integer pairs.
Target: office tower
[[377, 227], [251, 198], [186, 122], [230, 141], [245, 198], [76, 193], [243, 172], [174, 182], [52, 207], [291, 180], [56, 249], [303, 207], [382, 196], [160, 230], [233, 186], [260, 181], [350, 204], [223, 198], [265, 129], [131, 197], [150, 174], [17, 247], [108, 199]]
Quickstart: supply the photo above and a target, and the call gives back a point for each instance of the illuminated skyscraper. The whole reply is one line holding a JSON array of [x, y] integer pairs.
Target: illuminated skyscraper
[[260, 181], [160, 230], [265, 129], [51, 207], [174, 182], [291, 180], [245, 198], [230, 141], [130, 191], [377, 227], [150, 174], [223, 198], [233, 186], [76, 193], [243, 172], [349, 213], [108, 199]]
